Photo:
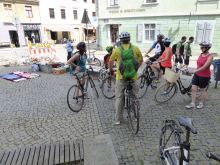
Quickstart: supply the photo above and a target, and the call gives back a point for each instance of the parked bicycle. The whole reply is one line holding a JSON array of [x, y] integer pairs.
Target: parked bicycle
[[108, 86], [77, 92], [132, 107], [214, 156], [146, 79], [92, 60], [168, 90], [172, 150]]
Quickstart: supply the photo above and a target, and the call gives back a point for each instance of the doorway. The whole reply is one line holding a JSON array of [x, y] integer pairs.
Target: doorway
[[114, 29], [53, 35], [14, 38]]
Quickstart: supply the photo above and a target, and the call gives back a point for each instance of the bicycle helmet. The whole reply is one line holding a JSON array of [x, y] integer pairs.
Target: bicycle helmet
[[81, 46], [205, 45], [109, 49], [124, 36], [166, 42]]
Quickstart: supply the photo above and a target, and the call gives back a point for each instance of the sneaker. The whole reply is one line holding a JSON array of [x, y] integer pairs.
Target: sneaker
[[200, 106], [117, 123], [191, 105]]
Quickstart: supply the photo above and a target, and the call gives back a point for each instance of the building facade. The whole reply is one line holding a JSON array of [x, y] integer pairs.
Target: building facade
[[19, 22], [61, 19], [144, 19]]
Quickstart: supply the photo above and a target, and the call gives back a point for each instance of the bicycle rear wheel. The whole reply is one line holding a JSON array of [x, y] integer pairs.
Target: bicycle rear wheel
[[75, 98], [165, 92], [169, 144], [143, 85], [108, 87], [133, 110]]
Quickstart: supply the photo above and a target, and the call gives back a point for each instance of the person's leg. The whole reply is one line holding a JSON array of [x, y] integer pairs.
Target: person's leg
[[186, 62], [119, 104], [195, 83], [69, 54], [203, 88], [181, 61]]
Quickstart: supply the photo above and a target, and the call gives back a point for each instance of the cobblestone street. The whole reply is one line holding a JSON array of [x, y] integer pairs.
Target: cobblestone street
[[35, 111]]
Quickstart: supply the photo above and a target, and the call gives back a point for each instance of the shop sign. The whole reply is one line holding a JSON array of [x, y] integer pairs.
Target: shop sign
[[31, 26], [127, 11]]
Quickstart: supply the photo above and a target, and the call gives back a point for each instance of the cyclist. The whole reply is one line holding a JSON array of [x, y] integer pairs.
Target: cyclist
[[187, 52], [158, 46], [201, 75], [179, 51], [165, 60], [126, 48], [109, 49], [78, 61]]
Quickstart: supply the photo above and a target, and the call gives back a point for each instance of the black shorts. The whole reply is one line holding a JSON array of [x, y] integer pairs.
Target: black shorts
[[179, 60], [186, 60], [201, 82]]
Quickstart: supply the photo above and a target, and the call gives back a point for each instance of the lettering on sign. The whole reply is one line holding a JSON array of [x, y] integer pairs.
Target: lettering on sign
[[127, 11]]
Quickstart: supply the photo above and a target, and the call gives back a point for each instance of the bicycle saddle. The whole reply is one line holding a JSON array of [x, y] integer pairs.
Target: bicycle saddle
[[187, 122]]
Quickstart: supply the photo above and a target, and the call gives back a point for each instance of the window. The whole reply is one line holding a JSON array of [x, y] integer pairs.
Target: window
[[204, 31], [75, 14], [51, 12], [93, 1], [85, 0], [113, 2], [93, 14], [63, 13], [28, 11], [149, 31], [8, 9], [151, 1]]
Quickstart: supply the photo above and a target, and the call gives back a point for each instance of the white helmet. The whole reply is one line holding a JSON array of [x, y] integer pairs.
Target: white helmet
[[124, 35]]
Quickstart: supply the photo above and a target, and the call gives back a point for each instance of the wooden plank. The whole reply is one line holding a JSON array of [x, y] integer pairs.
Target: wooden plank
[[26, 156], [1, 156], [41, 155], [20, 158], [57, 154], [77, 157], [67, 151], [52, 152], [36, 155], [72, 153], [31, 155], [81, 150], [16, 156], [46, 155], [61, 152], [10, 158], [5, 157]]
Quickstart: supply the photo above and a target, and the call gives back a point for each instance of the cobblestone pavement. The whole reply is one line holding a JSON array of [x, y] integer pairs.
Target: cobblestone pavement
[[35, 111]]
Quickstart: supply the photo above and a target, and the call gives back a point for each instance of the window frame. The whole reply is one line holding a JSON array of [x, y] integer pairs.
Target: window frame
[[53, 13], [8, 11], [150, 3], [144, 31], [114, 5], [64, 13], [75, 18], [28, 13]]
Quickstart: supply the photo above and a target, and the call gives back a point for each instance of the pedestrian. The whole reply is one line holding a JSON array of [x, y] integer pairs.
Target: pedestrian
[[187, 52], [178, 50], [33, 37], [109, 49], [201, 75], [128, 59], [69, 48]]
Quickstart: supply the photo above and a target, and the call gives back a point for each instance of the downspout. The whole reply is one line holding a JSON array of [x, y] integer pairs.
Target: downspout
[[97, 29]]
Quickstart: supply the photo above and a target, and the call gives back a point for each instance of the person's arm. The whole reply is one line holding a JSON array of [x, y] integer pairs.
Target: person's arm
[[112, 59], [206, 65], [166, 57], [152, 47], [72, 59], [186, 47]]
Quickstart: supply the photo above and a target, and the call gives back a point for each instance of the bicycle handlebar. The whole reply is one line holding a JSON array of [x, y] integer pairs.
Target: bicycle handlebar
[[213, 156]]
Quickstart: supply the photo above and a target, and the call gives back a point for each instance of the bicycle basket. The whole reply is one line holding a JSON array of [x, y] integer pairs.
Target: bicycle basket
[[170, 75]]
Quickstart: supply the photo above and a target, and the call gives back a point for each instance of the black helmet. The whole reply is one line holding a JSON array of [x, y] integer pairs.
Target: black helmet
[[124, 36], [166, 42], [206, 44], [81, 46]]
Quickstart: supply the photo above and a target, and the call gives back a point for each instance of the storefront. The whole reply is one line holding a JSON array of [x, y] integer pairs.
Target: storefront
[[32, 32]]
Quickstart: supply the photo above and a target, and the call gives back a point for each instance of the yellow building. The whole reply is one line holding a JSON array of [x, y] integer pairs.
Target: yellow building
[[19, 22]]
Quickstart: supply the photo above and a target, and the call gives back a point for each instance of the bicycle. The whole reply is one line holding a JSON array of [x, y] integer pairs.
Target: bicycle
[[132, 106], [108, 86], [77, 92], [94, 61], [167, 90], [213, 156], [146, 79], [172, 151]]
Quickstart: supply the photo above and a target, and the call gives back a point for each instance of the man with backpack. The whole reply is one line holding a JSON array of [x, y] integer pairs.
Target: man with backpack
[[187, 51], [128, 59], [178, 50]]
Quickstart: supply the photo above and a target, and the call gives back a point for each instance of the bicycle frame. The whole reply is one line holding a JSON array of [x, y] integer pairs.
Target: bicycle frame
[[183, 89], [88, 77]]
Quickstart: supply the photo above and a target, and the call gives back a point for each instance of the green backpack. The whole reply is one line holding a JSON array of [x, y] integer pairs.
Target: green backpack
[[128, 64]]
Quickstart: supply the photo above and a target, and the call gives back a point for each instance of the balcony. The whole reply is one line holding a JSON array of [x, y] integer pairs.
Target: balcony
[[30, 2]]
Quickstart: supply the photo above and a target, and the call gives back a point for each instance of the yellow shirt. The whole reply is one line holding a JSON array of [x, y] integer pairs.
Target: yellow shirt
[[116, 57]]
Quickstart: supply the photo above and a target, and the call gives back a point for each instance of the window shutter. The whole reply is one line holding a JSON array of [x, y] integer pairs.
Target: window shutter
[[207, 32], [139, 34], [199, 32]]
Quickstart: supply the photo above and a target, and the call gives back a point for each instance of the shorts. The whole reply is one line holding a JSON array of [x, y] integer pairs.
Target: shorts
[[201, 82], [163, 68], [179, 60], [186, 60], [154, 58]]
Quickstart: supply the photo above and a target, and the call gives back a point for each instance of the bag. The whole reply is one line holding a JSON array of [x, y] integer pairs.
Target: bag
[[170, 75], [181, 49], [128, 64]]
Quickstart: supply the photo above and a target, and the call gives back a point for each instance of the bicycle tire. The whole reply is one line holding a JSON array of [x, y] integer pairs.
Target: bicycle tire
[[98, 62], [92, 85], [133, 111], [166, 93], [108, 87], [173, 140], [143, 85], [73, 100]]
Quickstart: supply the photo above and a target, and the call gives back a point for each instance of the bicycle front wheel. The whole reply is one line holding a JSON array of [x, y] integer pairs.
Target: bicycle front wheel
[[108, 87], [169, 145], [133, 110], [143, 85], [75, 98], [165, 92], [94, 90]]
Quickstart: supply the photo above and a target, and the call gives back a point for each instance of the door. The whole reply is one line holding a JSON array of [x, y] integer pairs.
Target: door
[[14, 38], [114, 32], [53, 35]]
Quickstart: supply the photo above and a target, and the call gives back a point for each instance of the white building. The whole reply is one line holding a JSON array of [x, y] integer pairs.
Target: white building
[[62, 19]]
